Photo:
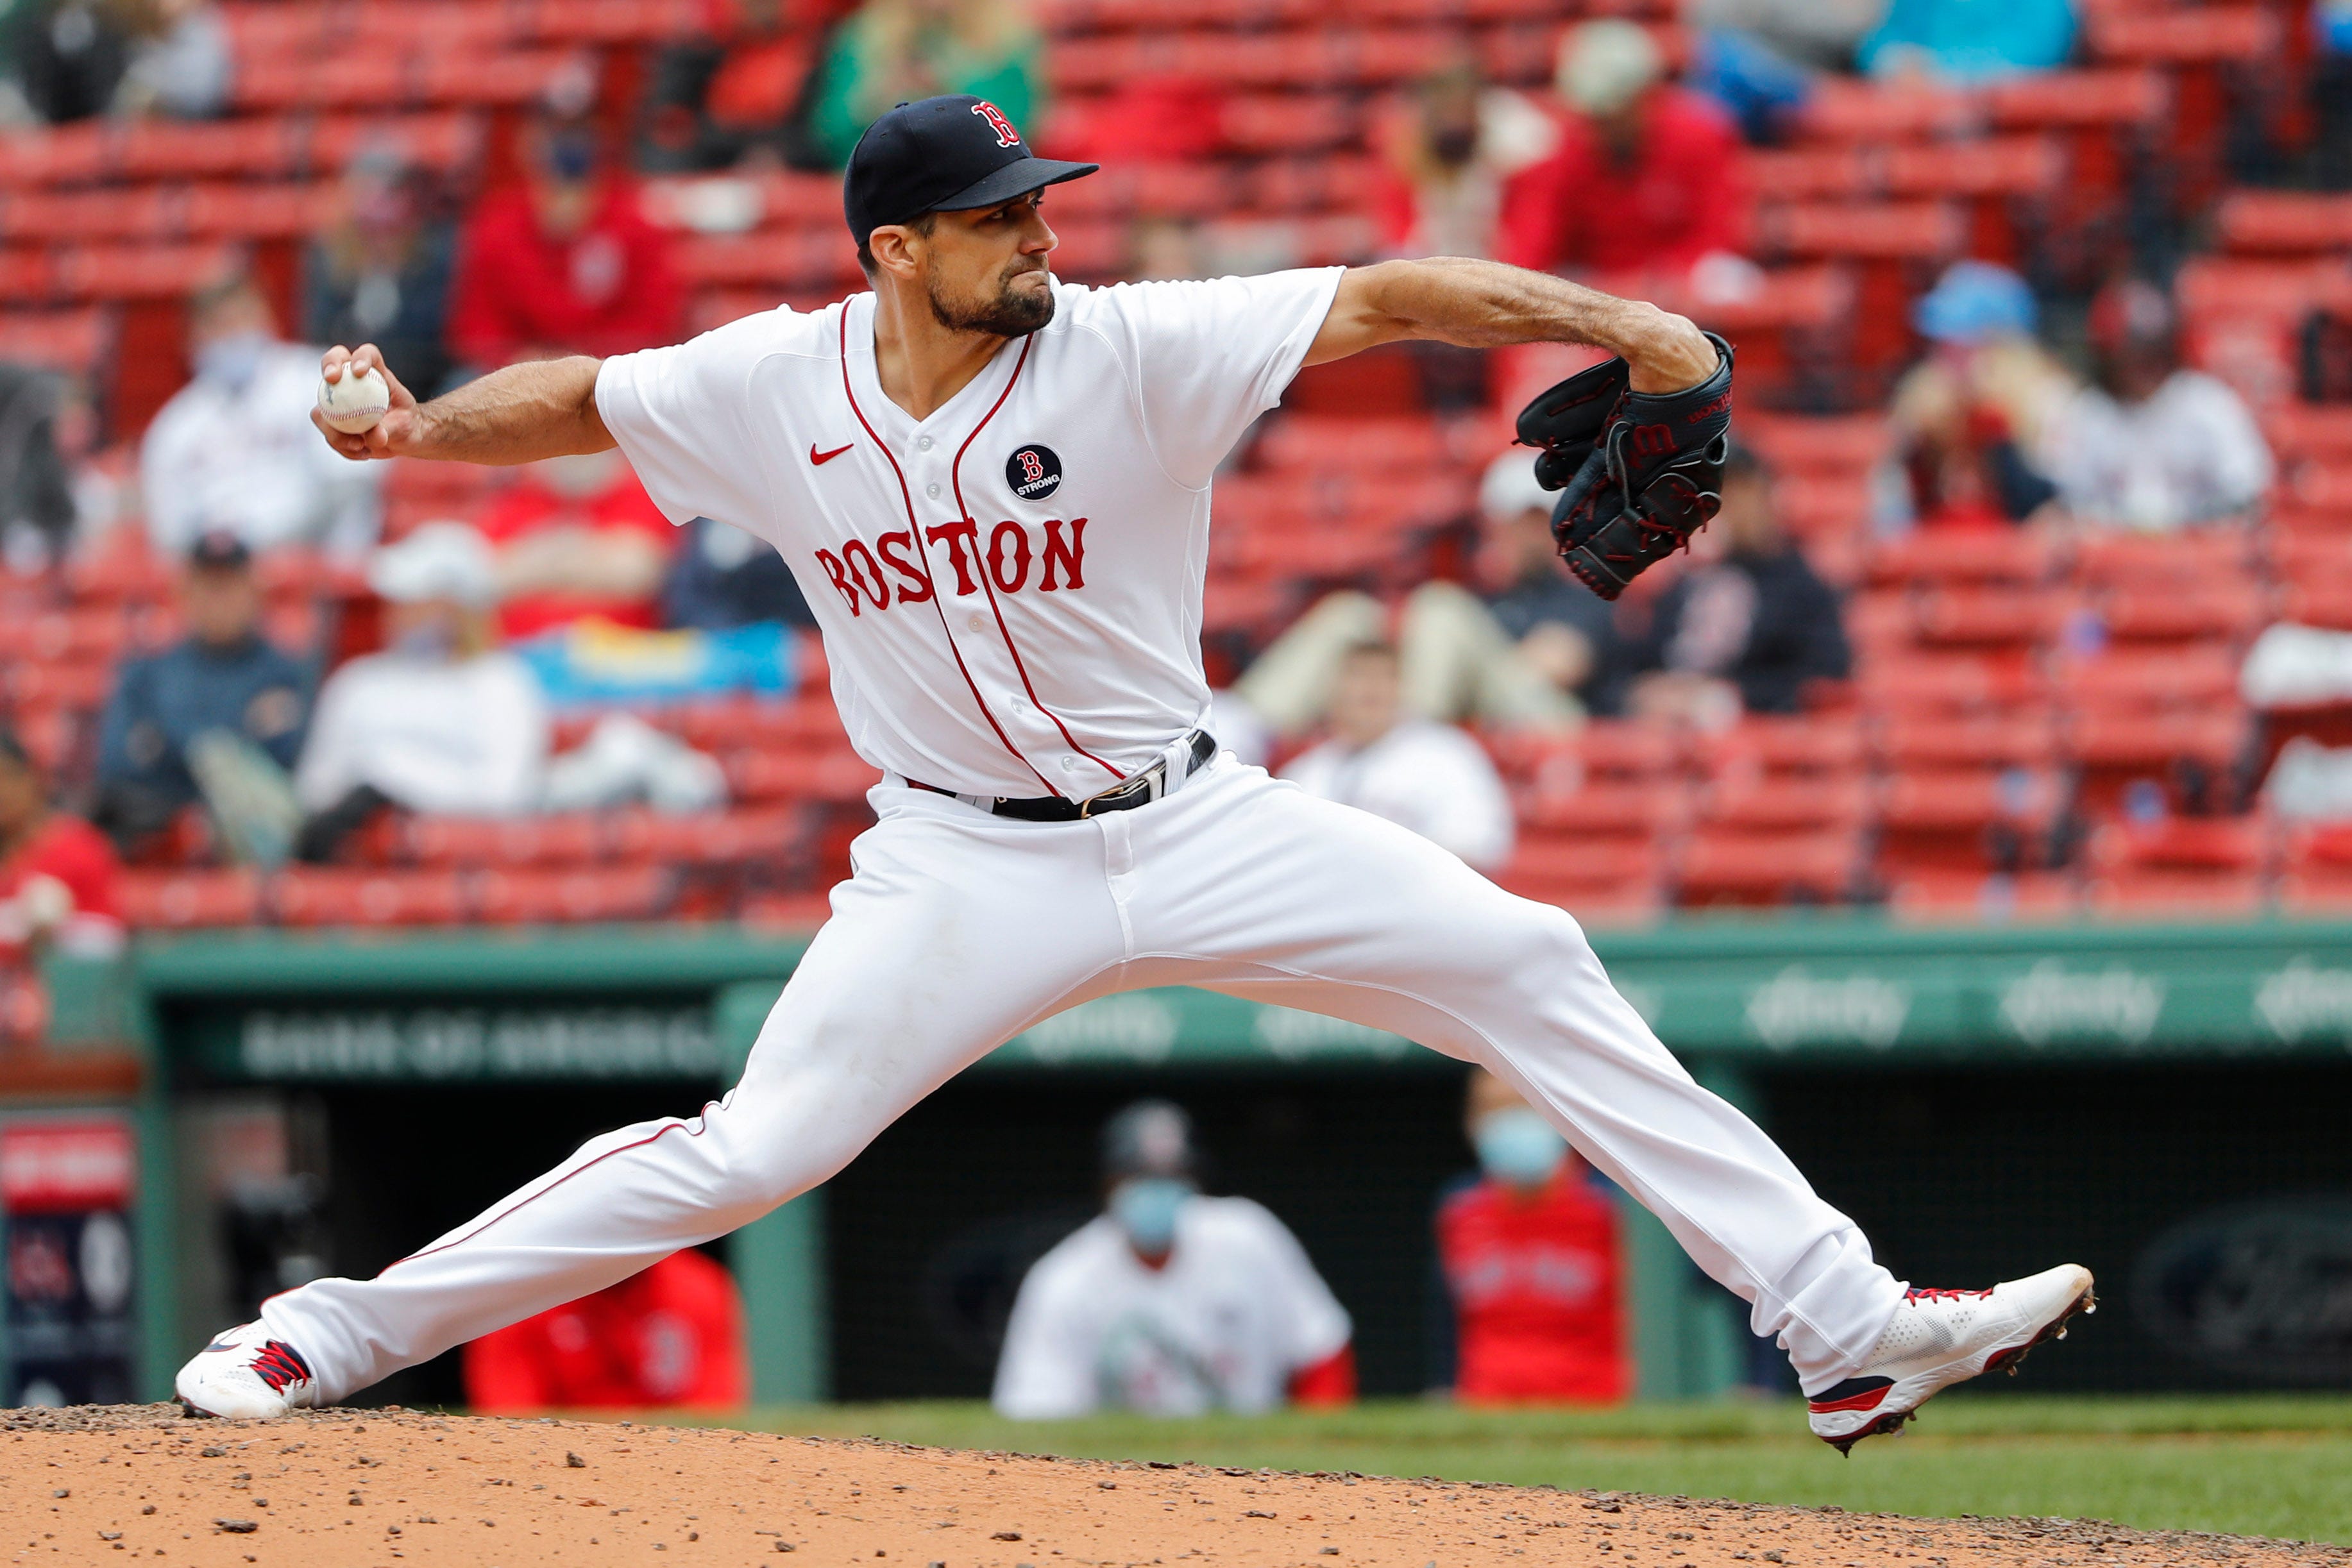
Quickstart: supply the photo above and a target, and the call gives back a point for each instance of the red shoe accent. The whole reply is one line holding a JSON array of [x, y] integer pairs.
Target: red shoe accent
[[1928, 1295], [278, 1365], [1867, 1400]]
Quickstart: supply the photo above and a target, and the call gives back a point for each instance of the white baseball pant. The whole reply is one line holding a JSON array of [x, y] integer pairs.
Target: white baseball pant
[[960, 929]]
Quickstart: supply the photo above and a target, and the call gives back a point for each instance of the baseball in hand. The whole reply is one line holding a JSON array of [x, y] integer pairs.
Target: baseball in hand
[[356, 403]]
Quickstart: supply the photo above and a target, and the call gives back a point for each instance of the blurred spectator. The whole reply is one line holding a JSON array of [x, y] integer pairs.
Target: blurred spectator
[[380, 272], [670, 1337], [564, 262], [181, 63], [721, 576], [442, 719], [1746, 627], [222, 676], [575, 537], [1763, 91], [2152, 446], [1532, 1258], [1531, 650], [36, 498], [1819, 34], [236, 449], [1969, 40], [65, 58], [1447, 156], [1646, 178], [1965, 416], [894, 51], [1428, 776], [1171, 1303], [2331, 90], [730, 93], [57, 871]]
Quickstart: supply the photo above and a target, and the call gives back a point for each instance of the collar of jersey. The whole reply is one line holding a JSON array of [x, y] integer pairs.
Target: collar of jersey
[[951, 420]]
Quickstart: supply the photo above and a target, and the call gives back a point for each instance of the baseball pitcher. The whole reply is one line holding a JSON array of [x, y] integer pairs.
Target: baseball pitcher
[[994, 489]]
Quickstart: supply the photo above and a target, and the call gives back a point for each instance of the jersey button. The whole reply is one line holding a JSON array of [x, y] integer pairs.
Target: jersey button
[[924, 443], [931, 490], [1069, 765], [978, 623]]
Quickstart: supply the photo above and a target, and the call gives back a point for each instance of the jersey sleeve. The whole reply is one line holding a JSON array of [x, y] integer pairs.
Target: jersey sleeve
[[1314, 1326], [1208, 357], [1046, 1369], [681, 415]]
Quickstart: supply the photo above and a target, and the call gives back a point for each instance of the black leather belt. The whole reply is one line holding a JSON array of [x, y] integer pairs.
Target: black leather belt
[[1141, 790]]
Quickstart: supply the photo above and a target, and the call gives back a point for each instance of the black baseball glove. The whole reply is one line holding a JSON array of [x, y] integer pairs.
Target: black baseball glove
[[1638, 472]]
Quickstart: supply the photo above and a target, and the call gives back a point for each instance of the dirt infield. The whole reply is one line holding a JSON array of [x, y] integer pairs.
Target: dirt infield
[[331, 1489]]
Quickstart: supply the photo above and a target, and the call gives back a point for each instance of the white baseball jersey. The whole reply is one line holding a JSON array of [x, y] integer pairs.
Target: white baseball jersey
[[1237, 1309], [1010, 590]]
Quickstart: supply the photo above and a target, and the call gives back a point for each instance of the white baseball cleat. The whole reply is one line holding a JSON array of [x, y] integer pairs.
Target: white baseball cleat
[[247, 1375], [1937, 1338]]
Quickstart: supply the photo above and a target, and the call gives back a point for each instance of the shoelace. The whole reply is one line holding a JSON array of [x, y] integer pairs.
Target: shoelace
[[278, 1365], [1931, 1295]]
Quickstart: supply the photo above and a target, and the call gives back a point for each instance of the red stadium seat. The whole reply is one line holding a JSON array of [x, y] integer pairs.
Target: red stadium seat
[[1821, 443], [1916, 683], [1731, 865], [2300, 430], [543, 897], [341, 896], [734, 838], [1985, 738], [1282, 122], [1846, 109], [1780, 806], [2187, 611], [837, 778], [1606, 809], [2199, 677], [1962, 555], [2284, 223], [1932, 895], [563, 840], [159, 900], [1570, 872], [1769, 745], [2103, 99]]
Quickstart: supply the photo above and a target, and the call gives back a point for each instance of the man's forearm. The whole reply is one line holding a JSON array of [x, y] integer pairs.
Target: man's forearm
[[541, 408], [1485, 304]]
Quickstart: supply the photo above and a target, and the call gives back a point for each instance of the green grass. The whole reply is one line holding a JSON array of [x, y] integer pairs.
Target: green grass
[[2270, 1465]]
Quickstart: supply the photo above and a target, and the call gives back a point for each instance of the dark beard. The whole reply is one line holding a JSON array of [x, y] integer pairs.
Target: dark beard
[[1009, 315]]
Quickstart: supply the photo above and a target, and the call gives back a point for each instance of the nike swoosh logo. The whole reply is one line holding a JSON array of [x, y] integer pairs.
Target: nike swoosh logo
[[822, 458]]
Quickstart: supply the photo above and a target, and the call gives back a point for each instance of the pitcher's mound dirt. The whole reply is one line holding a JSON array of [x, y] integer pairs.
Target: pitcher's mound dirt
[[338, 1488]]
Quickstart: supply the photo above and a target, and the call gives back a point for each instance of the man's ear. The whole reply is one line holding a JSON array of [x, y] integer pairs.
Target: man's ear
[[897, 249]]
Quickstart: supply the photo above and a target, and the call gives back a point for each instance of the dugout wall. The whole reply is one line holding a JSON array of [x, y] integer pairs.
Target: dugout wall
[[2166, 1101]]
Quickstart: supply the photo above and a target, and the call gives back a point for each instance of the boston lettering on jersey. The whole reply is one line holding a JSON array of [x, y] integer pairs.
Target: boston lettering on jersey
[[890, 571]]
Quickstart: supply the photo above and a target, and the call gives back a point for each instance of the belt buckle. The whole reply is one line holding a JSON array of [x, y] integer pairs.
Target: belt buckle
[[1149, 780]]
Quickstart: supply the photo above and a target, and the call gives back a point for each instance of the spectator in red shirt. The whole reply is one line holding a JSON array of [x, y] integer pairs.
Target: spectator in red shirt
[[576, 537], [564, 262], [672, 1335], [1646, 179], [1531, 1256], [57, 871]]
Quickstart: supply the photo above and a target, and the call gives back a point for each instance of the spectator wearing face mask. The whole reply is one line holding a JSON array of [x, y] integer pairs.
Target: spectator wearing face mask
[[222, 676], [576, 537], [1532, 1256], [2152, 444], [235, 449], [1448, 157], [442, 719], [1171, 1303], [1967, 415], [564, 262], [1747, 627], [1428, 776], [380, 272]]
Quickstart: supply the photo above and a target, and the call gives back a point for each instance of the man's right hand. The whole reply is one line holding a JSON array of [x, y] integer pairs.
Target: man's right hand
[[399, 433]]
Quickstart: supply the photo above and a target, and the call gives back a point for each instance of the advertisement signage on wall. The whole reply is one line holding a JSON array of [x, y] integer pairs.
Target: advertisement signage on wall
[[67, 1184]]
